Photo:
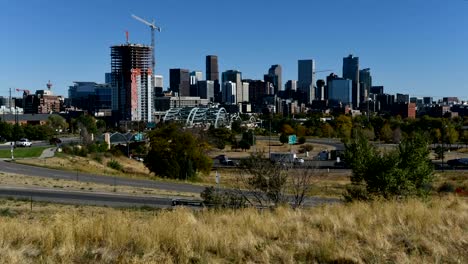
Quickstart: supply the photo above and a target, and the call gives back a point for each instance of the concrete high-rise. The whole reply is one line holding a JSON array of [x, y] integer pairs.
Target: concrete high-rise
[[179, 82], [306, 79], [351, 72], [274, 77], [131, 76]]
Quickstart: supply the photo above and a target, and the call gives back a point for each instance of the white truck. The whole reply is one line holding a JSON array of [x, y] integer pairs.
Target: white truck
[[286, 158]]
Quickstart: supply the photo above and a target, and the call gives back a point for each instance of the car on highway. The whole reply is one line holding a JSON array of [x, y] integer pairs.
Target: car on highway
[[298, 161], [24, 142], [457, 163], [227, 162], [341, 164]]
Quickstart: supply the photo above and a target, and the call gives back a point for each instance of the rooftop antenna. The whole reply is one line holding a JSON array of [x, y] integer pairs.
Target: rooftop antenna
[[49, 85], [126, 36]]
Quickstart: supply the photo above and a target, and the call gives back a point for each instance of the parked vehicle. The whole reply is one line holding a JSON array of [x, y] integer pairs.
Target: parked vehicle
[[24, 142]]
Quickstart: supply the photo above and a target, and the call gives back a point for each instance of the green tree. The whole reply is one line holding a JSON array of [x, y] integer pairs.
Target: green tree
[[6, 130], [88, 122], [287, 129], [465, 137], [283, 138], [248, 137], [406, 171], [435, 135], [244, 144], [327, 130], [57, 123], [17, 132], [344, 126], [386, 133], [236, 126], [451, 135], [175, 153]]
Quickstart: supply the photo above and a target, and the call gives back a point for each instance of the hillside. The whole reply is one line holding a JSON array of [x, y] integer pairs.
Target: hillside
[[395, 232]]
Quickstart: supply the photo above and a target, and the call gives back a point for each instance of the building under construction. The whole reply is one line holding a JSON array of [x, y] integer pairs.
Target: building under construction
[[131, 75]]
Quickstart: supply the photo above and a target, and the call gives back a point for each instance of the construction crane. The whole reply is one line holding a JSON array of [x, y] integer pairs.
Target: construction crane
[[153, 27], [322, 71], [27, 92]]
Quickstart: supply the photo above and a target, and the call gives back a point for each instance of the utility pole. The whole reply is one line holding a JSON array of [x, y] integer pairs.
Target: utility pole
[[9, 101], [269, 141]]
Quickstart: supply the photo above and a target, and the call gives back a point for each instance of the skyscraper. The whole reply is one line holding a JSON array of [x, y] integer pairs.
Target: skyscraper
[[212, 74], [306, 79], [179, 81], [274, 77], [206, 90], [235, 77], [229, 92], [351, 72], [195, 77], [131, 74], [322, 93], [340, 91], [365, 80]]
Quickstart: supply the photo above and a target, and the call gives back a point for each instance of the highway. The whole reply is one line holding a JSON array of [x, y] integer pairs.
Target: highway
[[83, 198], [64, 196], [11, 167]]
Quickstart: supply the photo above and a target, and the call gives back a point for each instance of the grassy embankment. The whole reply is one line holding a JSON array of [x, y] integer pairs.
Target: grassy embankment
[[31, 152], [17, 180], [378, 232]]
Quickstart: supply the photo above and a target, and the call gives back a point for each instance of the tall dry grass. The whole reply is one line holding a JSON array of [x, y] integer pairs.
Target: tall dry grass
[[378, 232]]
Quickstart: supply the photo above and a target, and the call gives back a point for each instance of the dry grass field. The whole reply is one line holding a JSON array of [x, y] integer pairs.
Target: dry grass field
[[131, 168], [380, 232]]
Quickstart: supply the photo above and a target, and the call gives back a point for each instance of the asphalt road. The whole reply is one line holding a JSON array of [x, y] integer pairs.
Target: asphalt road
[[11, 167], [74, 197], [83, 198]]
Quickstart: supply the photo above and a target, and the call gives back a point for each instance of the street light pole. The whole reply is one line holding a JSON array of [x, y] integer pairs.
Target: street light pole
[[443, 146]]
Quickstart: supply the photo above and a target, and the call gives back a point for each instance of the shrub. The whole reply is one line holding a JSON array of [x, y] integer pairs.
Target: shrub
[[113, 164], [306, 148], [284, 138], [115, 151], [406, 171], [222, 199], [98, 157], [446, 187], [302, 140]]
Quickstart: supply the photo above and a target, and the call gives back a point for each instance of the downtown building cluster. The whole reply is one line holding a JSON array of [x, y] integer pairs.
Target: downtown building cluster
[[133, 93]]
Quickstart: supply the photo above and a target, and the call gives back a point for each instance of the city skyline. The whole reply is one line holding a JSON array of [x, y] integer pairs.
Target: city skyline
[[416, 54]]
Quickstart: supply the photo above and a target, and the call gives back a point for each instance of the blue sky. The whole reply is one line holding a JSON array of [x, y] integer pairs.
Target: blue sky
[[418, 47]]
